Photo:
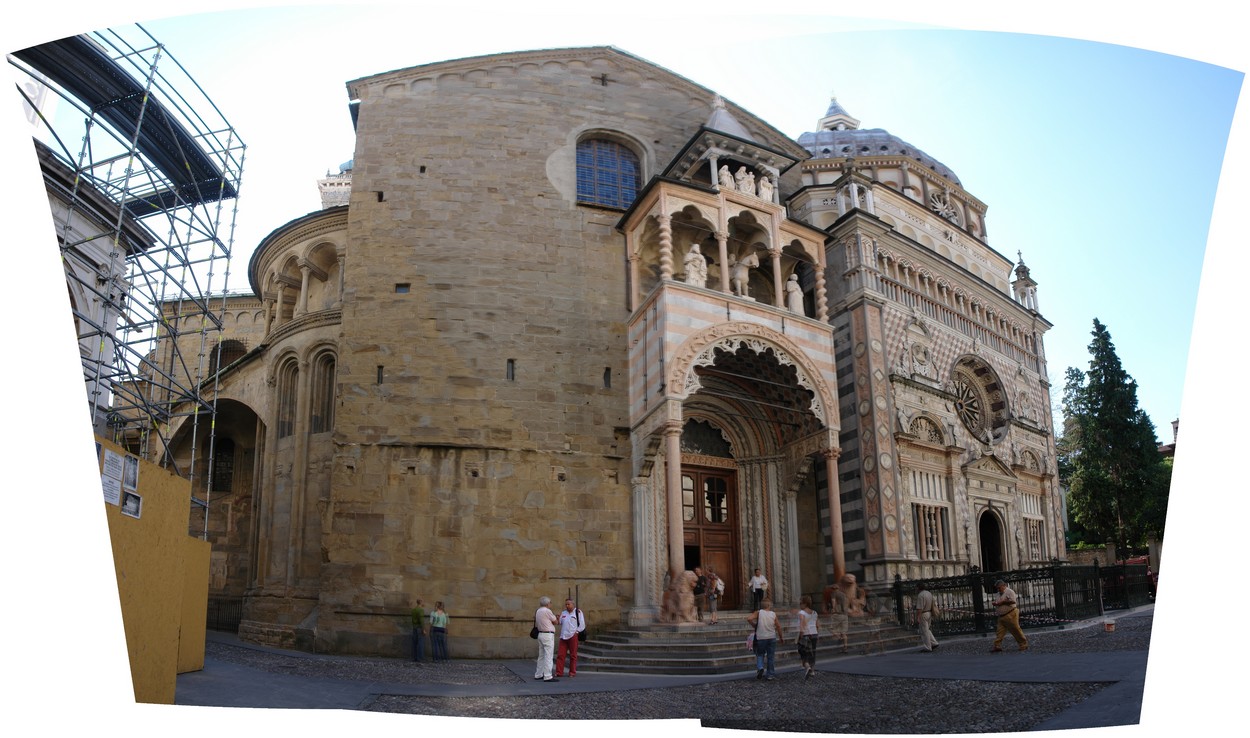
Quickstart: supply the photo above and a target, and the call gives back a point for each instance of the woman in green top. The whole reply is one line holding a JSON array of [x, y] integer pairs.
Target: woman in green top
[[438, 633]]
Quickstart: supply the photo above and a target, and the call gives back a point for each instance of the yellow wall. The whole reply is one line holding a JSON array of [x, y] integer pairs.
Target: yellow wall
[[162, 582]]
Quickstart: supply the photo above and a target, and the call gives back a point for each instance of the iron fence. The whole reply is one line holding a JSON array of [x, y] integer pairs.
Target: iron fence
[[1046, 596], [224, 613]]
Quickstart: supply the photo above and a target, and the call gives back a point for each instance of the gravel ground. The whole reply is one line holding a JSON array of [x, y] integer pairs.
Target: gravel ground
[[827, 703]]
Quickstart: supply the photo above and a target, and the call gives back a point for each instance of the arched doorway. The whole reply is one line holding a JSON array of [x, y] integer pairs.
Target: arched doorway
[[991, 537]]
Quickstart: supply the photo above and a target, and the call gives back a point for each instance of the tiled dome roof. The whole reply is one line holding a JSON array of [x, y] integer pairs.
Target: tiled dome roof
[[842, 137]]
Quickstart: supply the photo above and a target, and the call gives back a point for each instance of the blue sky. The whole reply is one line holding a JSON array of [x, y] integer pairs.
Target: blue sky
[[1098, 160]]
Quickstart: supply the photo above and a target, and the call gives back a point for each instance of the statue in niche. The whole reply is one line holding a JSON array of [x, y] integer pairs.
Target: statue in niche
[[744, 180], [696, 267], [740, 272], [725, 178], [794, 295], [766, 188]]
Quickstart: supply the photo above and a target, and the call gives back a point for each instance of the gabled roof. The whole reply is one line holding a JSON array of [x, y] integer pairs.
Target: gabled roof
[[758, 130]]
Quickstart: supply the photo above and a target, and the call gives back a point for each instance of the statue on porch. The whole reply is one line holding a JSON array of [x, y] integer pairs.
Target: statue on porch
[[696, 267], [740, 271], [766, 189], [726, 179], [679, 600], [794, 295]]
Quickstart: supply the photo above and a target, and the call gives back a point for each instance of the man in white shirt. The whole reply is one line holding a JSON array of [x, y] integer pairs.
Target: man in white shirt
[[758, 587], [545, 622], [572, 622]]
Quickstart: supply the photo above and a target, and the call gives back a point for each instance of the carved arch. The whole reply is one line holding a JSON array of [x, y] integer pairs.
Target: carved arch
[[700, 350]]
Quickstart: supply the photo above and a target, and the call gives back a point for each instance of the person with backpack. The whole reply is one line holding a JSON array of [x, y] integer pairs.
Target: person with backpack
[[926, 609], [700, 592], [716, 590]]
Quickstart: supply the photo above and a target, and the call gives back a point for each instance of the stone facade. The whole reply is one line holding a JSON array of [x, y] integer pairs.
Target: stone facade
[[475, 383]]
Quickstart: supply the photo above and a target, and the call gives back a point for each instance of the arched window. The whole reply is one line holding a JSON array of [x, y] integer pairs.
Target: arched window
[[323, 379], [288, 380], [608, 173], [231, 351]]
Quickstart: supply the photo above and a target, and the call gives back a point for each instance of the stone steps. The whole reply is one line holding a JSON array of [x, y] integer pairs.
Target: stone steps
[[700, 648]]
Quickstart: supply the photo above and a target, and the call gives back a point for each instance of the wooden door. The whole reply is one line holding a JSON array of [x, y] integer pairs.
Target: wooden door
[[710, 527]]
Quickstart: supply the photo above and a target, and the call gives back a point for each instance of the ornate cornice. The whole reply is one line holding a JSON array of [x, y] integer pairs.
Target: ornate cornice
[[303, 323]]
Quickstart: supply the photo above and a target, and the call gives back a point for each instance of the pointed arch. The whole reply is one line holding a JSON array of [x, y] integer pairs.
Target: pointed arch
[[699, 350]]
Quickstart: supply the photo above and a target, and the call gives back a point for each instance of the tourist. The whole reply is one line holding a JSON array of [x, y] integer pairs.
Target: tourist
[[808, 626], [571, 623], [839, 620], [926, 608], [545, 621], [757, 586], [1008, 618], [438, 633], [767, 635], [700, 592], [715, 591], [418, 631]]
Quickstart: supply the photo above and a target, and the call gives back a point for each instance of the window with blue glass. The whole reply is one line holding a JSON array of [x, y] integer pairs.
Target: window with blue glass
[[607, 173]]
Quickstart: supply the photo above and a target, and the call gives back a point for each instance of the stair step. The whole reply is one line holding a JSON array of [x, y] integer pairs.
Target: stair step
[[695, 648]]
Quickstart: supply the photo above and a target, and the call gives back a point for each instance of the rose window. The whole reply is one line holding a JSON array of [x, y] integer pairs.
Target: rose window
[[980, 401], [970, 406]]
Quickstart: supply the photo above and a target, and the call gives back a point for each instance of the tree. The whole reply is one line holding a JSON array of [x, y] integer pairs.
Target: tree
[[1108, 456]]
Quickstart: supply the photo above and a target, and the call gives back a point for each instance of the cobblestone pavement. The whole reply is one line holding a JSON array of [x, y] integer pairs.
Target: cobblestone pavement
[[828, 702]]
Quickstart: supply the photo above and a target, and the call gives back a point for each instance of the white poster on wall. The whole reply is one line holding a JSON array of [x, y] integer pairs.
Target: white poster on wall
[[113, 465], [112, 489]]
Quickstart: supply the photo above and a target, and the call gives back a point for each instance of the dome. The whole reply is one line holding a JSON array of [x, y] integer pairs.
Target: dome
[[841, 137], [346, 166]]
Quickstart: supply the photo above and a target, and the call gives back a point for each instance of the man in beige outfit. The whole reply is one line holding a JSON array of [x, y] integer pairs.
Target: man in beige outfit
[[926, 608], [1008, 618]]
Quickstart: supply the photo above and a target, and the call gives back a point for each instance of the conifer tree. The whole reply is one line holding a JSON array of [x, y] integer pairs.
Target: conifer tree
[[1109, 457]]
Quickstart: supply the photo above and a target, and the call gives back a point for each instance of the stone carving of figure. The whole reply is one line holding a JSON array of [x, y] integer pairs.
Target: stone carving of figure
[[726, 179], [856, 596], [794, 295], [740, 271], [696, 267], [766, 188], [744, 180], [904, 358], [679, 600]]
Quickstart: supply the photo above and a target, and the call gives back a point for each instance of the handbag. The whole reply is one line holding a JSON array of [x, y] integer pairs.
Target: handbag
[[581, 634], [751, 638], [534, 632]]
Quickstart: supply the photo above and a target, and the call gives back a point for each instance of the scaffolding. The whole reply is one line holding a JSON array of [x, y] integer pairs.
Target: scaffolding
[[143, 174]]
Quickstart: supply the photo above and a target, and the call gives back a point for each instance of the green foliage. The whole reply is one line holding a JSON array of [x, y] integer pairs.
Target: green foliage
[[1108, 455]]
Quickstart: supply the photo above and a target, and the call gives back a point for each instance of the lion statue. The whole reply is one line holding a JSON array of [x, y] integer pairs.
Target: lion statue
[[679, 600]]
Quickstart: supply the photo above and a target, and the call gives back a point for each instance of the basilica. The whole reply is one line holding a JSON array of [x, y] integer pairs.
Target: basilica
[[570, 323]]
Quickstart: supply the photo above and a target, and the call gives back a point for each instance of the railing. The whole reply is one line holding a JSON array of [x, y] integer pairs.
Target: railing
[[1047, 596], [224, 613]]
